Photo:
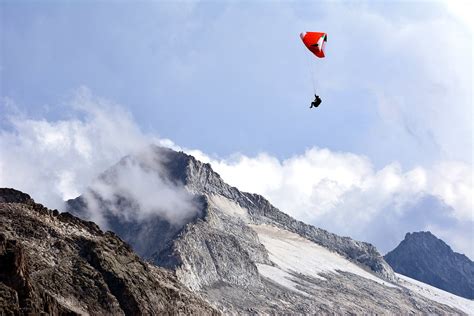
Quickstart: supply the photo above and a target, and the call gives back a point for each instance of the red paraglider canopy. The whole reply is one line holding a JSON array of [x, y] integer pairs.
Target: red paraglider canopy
[[315, 42]]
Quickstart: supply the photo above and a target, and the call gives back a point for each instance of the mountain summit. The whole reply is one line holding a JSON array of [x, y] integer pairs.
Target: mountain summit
[[424, 257], [235, 249]]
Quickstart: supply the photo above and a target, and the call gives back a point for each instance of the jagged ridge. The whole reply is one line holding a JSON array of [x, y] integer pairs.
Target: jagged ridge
[[55, 263], [201, 179]]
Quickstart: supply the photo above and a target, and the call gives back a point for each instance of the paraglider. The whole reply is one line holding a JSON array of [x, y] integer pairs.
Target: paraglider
[[316, 43]]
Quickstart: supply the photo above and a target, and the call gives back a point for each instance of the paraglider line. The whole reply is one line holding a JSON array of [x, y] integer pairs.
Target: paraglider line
[[311, 74]]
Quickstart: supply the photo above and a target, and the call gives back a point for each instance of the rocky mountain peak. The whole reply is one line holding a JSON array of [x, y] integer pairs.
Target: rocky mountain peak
[[427, 241], [187, 170], [424, 257], [204, 183], [422, 235]]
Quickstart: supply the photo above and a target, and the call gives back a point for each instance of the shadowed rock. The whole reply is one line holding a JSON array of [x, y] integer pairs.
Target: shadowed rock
[[58, 264]]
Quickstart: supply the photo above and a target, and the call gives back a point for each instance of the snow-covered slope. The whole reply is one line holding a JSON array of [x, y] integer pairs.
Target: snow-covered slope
[[293, 254], [437, 295]]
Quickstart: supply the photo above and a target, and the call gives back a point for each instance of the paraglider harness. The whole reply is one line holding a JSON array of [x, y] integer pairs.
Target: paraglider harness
[[317, 101]]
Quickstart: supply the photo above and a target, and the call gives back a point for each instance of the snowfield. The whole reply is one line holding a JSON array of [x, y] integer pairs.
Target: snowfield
[[437, 295], [295, 254]]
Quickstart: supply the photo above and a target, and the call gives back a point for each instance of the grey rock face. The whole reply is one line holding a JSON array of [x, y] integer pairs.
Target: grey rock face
[[200, 179], [218, 253], [424, 257], [55, 263]]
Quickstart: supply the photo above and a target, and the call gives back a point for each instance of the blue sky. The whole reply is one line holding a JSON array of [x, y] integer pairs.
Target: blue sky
[[232, 80], [231, 77]]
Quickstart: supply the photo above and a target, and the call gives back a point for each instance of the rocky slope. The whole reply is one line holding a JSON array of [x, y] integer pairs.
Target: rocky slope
[[244, 255], [424, 257], [55, 263]]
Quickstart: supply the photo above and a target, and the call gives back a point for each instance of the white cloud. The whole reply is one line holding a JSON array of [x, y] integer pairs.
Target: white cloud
[[344, 192], [340, 191], [141, 180], [56, 160], [462, 11]]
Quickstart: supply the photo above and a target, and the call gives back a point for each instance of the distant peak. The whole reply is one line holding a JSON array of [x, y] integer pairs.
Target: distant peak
[[422, 234], [425, 238], [427, 258]]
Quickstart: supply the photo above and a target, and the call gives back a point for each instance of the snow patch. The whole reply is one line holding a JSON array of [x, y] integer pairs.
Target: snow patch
[[279, 276], [437, 295], [294, 254]]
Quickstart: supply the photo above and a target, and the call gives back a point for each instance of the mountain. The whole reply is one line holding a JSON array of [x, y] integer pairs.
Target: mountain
[[242, 254], [424, 257], [55, 263]]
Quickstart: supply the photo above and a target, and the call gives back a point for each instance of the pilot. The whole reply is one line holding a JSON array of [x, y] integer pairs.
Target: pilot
[[317, 101]]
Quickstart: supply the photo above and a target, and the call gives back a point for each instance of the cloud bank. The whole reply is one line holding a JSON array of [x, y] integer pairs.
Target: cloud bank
[[346, 194], [58, 160], [340, 191], [136, 189]]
